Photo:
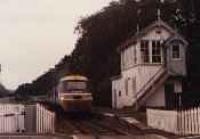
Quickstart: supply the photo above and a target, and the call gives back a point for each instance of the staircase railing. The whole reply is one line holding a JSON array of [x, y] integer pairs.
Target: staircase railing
[[149, 83]]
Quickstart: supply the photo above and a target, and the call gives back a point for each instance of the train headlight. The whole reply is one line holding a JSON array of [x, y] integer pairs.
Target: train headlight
[[62, 98]]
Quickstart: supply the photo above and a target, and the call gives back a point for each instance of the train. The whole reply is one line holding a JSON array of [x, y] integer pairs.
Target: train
[[73, 94]]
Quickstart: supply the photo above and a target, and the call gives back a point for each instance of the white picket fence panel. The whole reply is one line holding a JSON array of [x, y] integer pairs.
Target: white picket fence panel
[[182, 122], [163, 120], [45, 120], [11, 118]]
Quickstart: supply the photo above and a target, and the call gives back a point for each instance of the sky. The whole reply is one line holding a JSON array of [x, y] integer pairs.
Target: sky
[[36, 34]]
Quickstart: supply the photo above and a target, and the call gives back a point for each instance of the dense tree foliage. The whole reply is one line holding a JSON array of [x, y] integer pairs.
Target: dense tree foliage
[[95, 54], [4, 92]]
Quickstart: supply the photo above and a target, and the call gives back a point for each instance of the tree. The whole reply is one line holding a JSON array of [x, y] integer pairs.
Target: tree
[[95, 54]]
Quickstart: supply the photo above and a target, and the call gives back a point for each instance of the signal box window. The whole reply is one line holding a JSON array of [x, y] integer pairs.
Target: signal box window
[[156, 52], [176, 51], [144, 49], [126, 86], [120, 93]]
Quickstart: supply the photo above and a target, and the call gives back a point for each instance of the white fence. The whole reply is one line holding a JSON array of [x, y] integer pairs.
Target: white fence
[[184, 122], [11, 118], [19, 118], [44, 120], [39, 120]]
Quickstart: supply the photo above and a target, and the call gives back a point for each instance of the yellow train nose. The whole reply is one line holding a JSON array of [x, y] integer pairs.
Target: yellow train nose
[[76, 105]]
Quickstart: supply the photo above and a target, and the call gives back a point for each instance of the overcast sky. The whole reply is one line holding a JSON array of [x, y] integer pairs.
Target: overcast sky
[[36, 34]]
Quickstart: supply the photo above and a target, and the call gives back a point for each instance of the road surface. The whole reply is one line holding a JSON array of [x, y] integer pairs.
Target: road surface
[[150, 136], [9, 136]]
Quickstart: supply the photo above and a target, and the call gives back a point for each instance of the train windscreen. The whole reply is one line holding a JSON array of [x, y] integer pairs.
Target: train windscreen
[[73, 86]]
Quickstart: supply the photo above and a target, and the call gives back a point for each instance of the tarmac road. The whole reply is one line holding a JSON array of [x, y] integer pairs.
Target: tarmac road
[[12, 136], [150, 136]]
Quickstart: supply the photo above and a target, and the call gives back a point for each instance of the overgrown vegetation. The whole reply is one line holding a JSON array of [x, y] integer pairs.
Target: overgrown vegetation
[[95, 54]]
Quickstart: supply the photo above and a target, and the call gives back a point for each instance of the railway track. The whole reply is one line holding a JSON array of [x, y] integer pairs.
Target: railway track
[[109, 127], [98, 126], [99, 129], [94, 123], [88, 126], [81, 127]]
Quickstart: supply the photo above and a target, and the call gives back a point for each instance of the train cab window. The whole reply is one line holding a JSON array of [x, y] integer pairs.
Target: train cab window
[[74, 85]]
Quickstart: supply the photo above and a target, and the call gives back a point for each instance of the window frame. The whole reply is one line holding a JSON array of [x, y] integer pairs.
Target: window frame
[[134, 55], [120, 93], [156, 51], [126, 86], [122, 60], [173, 54], [145, 52]]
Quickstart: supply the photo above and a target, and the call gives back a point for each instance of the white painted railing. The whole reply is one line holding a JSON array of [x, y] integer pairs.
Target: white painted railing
[[15, 118], [183, 122], [39, 120], [44, 120], [11, 118]]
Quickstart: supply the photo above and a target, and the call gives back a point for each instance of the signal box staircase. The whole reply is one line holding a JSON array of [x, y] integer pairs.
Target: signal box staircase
[[150, 87]]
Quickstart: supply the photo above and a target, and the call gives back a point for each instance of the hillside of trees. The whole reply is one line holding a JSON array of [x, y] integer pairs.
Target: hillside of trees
[[95, 54], [4, 91]]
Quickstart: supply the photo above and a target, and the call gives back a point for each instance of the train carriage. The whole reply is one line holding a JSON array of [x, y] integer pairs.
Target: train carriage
[[73, 93]]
